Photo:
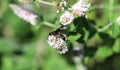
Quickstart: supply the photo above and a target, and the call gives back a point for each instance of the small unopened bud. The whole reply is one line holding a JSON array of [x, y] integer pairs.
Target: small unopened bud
[[60, 5]]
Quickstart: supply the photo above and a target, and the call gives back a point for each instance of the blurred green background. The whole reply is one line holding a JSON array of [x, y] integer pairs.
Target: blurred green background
[[25, 47]]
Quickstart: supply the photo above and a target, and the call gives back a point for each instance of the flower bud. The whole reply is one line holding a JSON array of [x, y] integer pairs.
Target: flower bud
[[60, 5]]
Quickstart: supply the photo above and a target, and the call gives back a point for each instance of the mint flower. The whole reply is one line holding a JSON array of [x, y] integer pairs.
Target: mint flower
[[58, 41], [24, 14], [80, 8], [66, 18]]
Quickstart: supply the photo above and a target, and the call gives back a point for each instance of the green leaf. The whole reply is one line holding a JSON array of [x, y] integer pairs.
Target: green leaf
[[95, 40], [103, 52], [89, 61], [115, 30], [116, 46], [86, 34], [74, 38], [72, 27], [86, 59]]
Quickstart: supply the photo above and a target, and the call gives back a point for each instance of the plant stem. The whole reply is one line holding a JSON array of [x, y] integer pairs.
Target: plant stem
[[97, 7], [111, 2], [104, 28], [45, 2], [48, 24], [116, 7]]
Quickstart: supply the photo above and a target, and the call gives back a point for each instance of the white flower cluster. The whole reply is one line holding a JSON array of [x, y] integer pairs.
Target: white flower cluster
[[66, 18], [80, 8], [24, 14], [58, 41]]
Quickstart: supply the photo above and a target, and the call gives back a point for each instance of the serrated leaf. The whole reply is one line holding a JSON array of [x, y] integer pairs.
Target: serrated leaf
[[115, 30], [95, 40], [74, 38], [103, 52], [116, 46], [72, 27], [86, 34]]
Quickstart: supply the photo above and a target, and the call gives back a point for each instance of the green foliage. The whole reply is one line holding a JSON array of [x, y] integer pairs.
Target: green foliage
[[24, 47], [103, 52], [73, 38], [7, 46], [116, 46], [55, 62]]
